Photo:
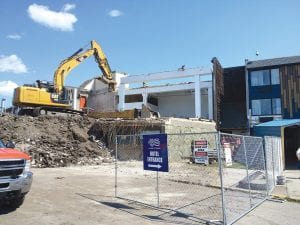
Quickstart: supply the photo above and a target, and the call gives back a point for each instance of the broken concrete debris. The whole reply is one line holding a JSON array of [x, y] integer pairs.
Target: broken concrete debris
[[55, 141], [64, 140]]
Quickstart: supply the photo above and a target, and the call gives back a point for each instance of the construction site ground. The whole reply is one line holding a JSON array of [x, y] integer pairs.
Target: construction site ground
[[75, 176], [80, 195]]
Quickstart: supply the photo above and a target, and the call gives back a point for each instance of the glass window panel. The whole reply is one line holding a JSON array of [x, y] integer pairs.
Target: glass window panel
[[265, 106], [266, 75], [255, 78], [261, 107], [256, 110], [276, 106], [275, 76], [260, 78]]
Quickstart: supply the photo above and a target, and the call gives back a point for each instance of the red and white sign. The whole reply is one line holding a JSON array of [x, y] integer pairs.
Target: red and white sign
[[201, 152], [200, 144]]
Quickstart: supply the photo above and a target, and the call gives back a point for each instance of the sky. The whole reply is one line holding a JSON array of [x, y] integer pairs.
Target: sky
[[140, 36]]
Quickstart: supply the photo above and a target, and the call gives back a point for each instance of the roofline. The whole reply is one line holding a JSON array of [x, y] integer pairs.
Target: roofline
[[294, 58], [285, 125]]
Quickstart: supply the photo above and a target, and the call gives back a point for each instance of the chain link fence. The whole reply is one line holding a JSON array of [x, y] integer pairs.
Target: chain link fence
[[245, 184], [212, 177]]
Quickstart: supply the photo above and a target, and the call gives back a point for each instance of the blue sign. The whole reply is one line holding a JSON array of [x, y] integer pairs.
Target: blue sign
[[155, 152]]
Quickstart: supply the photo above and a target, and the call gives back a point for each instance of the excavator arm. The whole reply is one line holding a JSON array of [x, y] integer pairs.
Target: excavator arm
[[73, 61]]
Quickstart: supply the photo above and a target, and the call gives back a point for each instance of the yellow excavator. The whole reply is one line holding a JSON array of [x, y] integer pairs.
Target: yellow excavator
[[46, 96]]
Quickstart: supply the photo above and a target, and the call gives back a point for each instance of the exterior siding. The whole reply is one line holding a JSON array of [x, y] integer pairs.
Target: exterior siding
[[290, 90], [262, 92], [218, 79], [233, 104]]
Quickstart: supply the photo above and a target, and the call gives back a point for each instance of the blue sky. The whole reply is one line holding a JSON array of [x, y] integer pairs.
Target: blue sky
[[140, 36]]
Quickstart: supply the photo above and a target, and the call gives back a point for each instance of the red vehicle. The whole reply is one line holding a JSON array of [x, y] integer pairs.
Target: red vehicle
[[15, 177]]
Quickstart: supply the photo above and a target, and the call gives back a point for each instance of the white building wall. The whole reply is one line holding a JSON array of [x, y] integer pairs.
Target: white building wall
[[182, 106], [198, 104], [176, 105], [204, 104]]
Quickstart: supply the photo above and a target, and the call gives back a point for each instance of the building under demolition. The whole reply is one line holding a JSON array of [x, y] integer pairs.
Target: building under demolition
[[184, 93]]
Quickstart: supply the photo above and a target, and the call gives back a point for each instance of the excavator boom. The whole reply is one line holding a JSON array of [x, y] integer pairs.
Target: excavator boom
[[73, 61]]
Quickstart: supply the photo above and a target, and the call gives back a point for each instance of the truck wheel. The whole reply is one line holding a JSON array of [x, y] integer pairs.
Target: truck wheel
[[16, 202]]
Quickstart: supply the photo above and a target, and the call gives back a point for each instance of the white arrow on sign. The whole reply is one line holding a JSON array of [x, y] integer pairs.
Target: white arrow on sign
[[155, 166]]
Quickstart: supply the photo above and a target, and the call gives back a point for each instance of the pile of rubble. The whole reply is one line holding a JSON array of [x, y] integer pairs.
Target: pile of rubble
[[54, 141]]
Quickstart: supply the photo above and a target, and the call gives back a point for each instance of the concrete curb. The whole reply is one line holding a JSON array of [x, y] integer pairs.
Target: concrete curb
[[287, 198]]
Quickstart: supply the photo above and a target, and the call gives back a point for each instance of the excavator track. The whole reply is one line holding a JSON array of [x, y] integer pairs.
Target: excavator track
[[38, 111]]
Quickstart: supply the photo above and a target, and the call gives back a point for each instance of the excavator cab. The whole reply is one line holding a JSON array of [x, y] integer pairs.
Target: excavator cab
[[45, 84]]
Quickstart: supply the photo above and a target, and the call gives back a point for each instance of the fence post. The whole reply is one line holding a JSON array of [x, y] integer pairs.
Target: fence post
[[221, 177], [267, 159], [266, 166], [157, 183], [248, 178], [273, 163], [116, 166]]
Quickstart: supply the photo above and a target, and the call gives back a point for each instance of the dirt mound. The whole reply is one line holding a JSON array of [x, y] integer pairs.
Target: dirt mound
[[54, 141]]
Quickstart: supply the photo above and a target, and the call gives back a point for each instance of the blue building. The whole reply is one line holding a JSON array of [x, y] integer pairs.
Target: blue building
[[262, 91], [273, 89]]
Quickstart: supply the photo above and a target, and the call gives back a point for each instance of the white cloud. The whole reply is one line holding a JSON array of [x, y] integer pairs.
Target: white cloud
[[12, 64], [115, 13], [67, 7], [62, 20], [14, 36], [7, 88]]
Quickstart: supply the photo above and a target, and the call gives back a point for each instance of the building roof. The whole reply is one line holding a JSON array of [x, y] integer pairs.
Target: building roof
[[280, 123], [273, 62], [274, 128]]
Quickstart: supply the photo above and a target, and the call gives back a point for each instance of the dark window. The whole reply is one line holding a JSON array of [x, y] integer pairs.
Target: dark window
[[133, 98], [265, 119], [152, 100]]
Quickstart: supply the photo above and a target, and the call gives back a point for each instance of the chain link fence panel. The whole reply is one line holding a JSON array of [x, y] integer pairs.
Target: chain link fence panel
[[189, 189], [213, 177], [243, 175]]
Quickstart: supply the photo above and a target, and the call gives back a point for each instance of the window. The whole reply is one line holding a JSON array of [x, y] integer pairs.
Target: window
[[152, 100], [264, 77], [275, 76], [266, 106], [260, 78], [261, 107], [276, 106], [133, 98]]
